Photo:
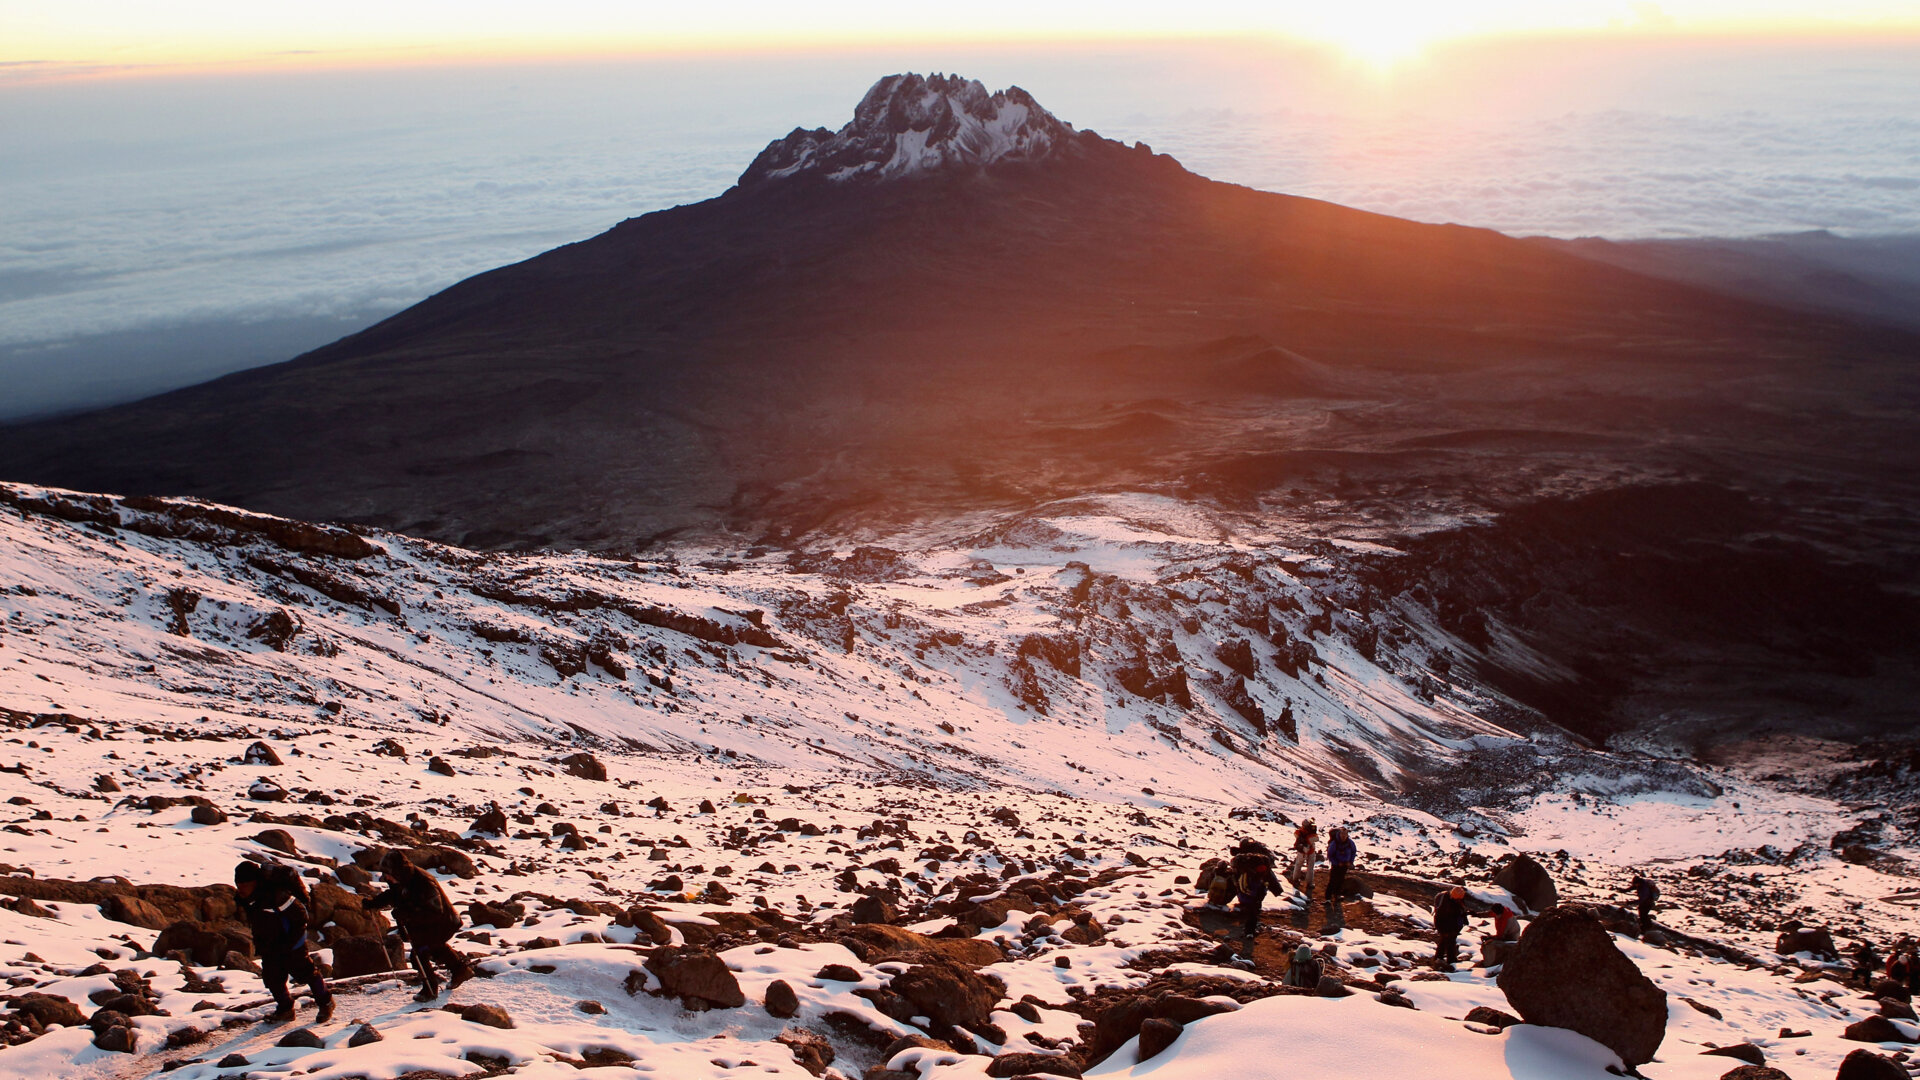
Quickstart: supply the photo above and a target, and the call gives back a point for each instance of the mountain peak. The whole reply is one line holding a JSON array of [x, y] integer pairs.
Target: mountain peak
[[911, 125]]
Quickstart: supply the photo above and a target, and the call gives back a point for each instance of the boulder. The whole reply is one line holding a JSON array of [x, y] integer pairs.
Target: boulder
[[584, 765], [305, 1038], [1529, 883], [364, 1034], [946, 993], [1867, 1065], [1483, 1014], [48, 1009], [203, 942], [1566, 972], [264, 790], [120, 1038], [1795, 938], [438, 764], [782, 1002], [688, 972], [493, 822], [1746, 1052], [279, 840], [871, 909], [1156, 1035], [260, 754], [106, 784], [209, 815], [875, 942], [363, 956], [1875, 1029], [1754, 1072], [1025, 1063], [490, 1015]]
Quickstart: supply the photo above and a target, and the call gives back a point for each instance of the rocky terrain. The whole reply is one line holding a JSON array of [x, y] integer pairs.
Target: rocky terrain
[[875, 813]]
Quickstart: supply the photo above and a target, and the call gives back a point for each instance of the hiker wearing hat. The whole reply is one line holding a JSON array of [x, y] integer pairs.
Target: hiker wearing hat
[[274, 901], [1449, 918], [1305, 969], [426, 919], [1306, 840]]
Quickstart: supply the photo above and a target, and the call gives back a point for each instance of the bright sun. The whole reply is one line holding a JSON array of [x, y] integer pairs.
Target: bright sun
[[1382, 34]]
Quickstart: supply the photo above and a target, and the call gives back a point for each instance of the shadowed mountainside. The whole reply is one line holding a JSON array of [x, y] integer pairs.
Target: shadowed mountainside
[[804, 354]]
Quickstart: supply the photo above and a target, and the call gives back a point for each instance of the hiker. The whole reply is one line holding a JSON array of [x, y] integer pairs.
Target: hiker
[[427, 922], [1305, 969], [1505, 926], [1340, 856], [1645, 894], [1306, 838], [1903, 967], [1449, 918], [1866, 961], [274, 900], [1252, 871]]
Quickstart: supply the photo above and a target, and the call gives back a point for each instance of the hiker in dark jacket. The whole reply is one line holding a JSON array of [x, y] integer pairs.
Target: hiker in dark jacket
[[1866, 962], [1252, 870], [426, 919], [272, 898], [1646, 894], [1449, 918], [1340, 856]]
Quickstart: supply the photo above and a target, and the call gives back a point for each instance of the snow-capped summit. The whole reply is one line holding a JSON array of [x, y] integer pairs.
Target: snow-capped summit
[[911, 125]]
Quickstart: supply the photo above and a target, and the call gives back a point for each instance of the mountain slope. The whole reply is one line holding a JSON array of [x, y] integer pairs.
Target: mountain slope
[[984, 330]]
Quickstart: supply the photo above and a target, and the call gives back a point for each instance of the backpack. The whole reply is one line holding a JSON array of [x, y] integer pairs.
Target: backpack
[[1251, 870], [284, 878]]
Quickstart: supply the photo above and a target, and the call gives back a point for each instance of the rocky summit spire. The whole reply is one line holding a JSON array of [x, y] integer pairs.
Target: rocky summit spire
[[908, 125]]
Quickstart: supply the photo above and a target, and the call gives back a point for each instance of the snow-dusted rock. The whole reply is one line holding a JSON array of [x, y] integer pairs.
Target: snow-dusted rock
[[910, 125]]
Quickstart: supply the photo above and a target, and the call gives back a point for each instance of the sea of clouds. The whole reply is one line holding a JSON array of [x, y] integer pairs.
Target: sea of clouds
[[183, 210]]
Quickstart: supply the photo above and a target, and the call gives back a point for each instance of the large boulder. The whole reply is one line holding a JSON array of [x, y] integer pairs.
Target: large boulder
[[363, 956], [1529, 883], [1566, 972], [1875, 1029], [874, 942], [584, 765], [946, 993], [1795, 938], [696, 975], [48, 1009], [261, 754], [1867, 1065], [205, 943]]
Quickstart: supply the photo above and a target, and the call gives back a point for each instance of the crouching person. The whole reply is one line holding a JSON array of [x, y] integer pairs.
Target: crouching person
[[426, 919], [274, 900]]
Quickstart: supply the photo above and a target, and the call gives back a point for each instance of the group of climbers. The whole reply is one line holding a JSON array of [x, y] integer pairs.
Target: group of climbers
[[278, 911], [1249, 879]]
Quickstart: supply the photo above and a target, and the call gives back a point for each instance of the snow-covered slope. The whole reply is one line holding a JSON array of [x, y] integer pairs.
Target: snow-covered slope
[[910, 125], [1028, 744]]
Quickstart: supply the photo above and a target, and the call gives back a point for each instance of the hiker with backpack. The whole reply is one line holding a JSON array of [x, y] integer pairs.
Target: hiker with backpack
[[1340, 856], [274, 900], [1646, 894], [1449, 918], [1305, 969], [1306, 840], [427, 922], [1252, 871]]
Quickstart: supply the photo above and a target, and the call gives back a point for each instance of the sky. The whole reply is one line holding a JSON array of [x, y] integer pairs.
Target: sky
[[194, 187], [116, 34]]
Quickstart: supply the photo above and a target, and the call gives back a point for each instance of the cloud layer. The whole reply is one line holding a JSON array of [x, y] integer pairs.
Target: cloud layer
[[142, 203]]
